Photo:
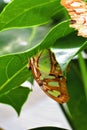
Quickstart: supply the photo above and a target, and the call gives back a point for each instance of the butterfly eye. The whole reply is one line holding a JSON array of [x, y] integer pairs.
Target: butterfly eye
[[77, 10], [48, 75]]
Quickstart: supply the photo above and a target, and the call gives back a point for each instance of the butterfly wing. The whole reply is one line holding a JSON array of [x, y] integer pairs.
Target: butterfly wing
[[48, 75]]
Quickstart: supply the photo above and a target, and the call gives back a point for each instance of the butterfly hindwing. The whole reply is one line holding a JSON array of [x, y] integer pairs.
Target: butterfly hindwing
[[48, 75]]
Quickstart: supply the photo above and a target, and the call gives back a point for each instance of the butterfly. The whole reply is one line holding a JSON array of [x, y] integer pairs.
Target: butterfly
[[77, 10], [49, 76]]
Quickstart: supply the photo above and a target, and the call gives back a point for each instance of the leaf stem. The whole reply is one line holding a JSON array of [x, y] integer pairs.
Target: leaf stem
[[83, 69], [67, 117]]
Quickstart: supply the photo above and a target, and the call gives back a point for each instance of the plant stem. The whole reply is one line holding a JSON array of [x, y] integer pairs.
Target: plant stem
[[67, 117], [83, 69]]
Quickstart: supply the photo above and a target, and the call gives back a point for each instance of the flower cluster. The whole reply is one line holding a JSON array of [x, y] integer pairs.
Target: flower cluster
[[78, 12]]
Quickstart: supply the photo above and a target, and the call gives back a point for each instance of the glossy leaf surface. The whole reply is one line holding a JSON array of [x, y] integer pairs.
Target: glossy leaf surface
[[20, 13]]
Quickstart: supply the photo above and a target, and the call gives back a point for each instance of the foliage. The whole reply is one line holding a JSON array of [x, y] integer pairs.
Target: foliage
[[28, 27]]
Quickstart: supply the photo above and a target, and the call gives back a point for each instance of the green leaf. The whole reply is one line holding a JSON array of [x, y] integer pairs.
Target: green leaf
[[67, 47], [31, 79], [19, 40], [38, 34], [59, 31], [28, 13], [15, 40], [16, 98], [13, 72], [77, 104]]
